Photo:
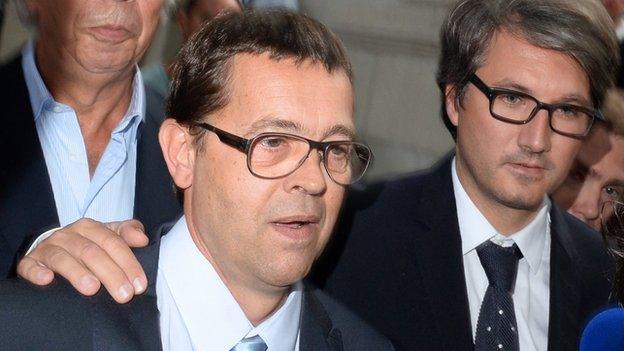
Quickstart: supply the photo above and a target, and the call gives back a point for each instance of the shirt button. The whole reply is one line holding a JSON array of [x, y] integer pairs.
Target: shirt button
[[57, 109], [73, 157]]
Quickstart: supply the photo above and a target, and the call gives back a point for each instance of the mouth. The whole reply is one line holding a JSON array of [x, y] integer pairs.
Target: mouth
[[111, 33], [300, 227], [528, 169]]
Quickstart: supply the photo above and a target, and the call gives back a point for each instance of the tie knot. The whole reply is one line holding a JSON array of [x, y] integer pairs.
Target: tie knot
[[500, 264], [254, 343]]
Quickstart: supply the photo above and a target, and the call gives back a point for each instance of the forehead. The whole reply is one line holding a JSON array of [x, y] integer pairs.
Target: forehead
[[213, 7], [603, 153], [547, 74], [305, 93]]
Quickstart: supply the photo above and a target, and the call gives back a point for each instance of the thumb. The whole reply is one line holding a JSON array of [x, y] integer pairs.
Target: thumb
[[131, 231]]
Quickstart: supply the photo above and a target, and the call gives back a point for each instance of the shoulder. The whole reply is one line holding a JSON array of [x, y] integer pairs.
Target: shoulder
[[588, 245], [356, 334], [586, 248], [381, 193], [154, 106], [53, 317], [13, 84]]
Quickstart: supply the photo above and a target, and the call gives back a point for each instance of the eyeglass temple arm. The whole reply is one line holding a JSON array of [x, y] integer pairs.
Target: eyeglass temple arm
[[227, 138], [480, 84]]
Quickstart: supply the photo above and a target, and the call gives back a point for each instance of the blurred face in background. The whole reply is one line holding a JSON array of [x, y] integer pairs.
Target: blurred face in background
[[101, 36], [597, 176], [191, 19]]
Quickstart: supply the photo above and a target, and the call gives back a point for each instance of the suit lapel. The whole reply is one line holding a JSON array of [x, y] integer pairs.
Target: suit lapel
[[154, 200], [317, 332], [439, 259], [564, 287], [27, 200], [135, 325]]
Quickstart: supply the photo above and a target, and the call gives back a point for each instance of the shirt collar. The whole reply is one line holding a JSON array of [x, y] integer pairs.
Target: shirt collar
[[475, 229], [210, 313], [37, 91], [40, 95]]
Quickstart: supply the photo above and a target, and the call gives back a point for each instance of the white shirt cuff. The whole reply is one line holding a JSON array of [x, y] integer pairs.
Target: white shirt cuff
[[41, 238]]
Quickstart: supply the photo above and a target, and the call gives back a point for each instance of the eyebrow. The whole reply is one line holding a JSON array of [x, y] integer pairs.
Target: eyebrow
[[572, 99], [272, 123]]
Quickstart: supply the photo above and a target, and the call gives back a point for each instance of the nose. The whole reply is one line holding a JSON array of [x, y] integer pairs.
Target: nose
[[309, 178], [586, 207], [535, 135]]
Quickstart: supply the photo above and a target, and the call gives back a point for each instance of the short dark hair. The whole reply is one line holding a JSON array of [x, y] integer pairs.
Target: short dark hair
[[201, 73], [199, 85], [581, 29]]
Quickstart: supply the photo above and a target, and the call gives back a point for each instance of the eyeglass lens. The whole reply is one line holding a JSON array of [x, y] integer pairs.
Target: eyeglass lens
[[520, 108], [276, 155]]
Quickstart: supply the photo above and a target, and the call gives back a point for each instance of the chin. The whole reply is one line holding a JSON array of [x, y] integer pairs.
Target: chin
[[106, 61], [287, 274], [522, 202]]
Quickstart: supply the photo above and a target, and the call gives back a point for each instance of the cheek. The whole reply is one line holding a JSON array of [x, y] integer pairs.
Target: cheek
[[564, 151], [150, 13], [333, 202]]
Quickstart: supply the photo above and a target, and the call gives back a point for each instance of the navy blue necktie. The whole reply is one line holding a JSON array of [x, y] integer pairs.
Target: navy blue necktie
[[496, 327]]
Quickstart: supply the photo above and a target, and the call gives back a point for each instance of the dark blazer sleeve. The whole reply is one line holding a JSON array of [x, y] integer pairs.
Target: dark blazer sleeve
[[51, 318]]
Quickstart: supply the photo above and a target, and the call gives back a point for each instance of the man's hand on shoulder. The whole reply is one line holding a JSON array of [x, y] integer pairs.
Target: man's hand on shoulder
[[88, 253]]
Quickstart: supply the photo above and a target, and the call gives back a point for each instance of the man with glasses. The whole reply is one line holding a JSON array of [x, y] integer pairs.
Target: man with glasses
[[473, 254], [261, 143]]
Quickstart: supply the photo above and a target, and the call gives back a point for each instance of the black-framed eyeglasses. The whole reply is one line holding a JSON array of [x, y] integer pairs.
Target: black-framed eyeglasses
[[276, 155], [515, 107]]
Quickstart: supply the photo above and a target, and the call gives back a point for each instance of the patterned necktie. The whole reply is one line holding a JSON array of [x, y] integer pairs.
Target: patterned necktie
[[496, 327], [250, 344]]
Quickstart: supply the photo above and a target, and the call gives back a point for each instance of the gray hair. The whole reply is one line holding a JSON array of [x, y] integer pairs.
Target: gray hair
[[26, 18], [581, 29]]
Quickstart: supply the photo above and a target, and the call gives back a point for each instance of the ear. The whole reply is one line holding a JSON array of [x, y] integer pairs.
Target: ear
[[452, 104], [179, 152]]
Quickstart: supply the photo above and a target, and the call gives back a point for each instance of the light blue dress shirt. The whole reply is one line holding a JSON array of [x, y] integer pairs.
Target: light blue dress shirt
[[109, 195]]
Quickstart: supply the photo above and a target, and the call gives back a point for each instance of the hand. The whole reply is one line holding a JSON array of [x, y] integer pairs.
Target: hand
[[88, 253]]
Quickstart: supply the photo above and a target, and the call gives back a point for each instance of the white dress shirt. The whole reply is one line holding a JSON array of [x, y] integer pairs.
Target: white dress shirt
[[198, 312], [531, 293]]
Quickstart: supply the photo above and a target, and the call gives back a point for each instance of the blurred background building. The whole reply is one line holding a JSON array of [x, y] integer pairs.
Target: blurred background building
[[394, 48]]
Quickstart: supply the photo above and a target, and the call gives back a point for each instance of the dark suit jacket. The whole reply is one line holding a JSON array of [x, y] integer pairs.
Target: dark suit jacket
[[58, 318], [27, 206], [396, 260]]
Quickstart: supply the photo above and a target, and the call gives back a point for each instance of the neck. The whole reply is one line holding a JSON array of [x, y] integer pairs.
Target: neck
[[96, 97], [504, 219], [100, 100], [257, 302]]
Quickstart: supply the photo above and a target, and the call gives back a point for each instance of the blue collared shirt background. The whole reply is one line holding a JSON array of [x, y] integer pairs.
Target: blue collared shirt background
[[109, 195]]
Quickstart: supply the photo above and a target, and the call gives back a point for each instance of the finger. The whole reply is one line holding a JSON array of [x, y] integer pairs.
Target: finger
[[127, 268], [126, 260], [96, 258], [59, 260], [30, 270], [132, 231]]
